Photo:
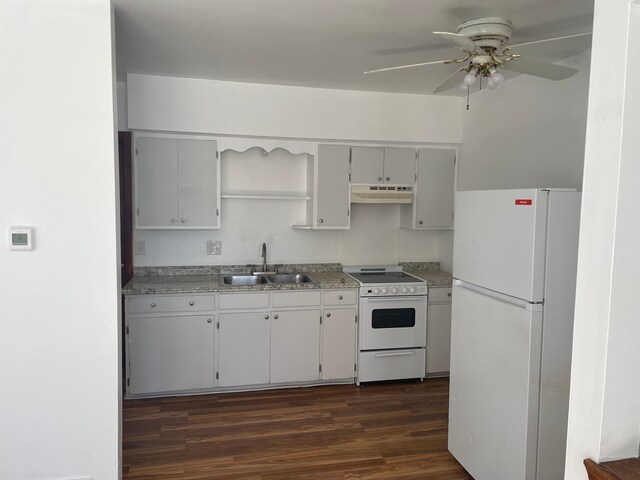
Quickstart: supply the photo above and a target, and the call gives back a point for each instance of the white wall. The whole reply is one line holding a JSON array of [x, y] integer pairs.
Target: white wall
[[604, 417], [232, 108], [59, 407], [529, 132]]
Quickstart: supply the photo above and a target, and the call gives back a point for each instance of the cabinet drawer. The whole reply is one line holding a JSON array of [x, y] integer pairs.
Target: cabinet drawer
[[439, 294], [244, 300], [386, 364], [296, 299], [170, 303], [340, 297]]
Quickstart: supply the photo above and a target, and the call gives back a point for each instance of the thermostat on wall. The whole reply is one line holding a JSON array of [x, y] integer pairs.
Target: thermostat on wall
[[21, 238]]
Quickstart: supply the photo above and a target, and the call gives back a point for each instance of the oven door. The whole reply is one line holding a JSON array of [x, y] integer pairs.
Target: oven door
[[393, 322]]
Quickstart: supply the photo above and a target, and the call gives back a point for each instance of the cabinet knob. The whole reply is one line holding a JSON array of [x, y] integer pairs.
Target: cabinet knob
[[208, 320], [328, 315], [321, 221], [388, 178], [275, 317], [339, 297], [173, 220], [449, 294], [153, 305], [182, 220], [192, 303], [379, 179], [266, 317], [420, 222]]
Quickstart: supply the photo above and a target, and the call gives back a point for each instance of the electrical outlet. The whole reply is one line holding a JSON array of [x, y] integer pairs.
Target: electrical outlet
[[139, 247], [214, 248]]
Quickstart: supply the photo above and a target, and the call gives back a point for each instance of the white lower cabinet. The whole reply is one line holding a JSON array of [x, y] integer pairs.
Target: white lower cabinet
[[438, 331], [295, 346], [178, 344], [243, 349], [170, 353], [339, 343]]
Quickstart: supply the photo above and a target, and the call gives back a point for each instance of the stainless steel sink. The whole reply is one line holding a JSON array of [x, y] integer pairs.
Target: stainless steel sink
[[244, 280], [289, 278]]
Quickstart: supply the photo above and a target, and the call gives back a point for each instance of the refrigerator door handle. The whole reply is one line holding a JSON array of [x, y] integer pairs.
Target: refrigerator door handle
[[516, 302]]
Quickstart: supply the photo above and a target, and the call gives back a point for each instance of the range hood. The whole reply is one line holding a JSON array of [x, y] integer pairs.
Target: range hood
[[381, 194]]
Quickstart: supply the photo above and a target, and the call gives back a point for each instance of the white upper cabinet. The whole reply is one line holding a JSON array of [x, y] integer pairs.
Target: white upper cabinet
[[367, 165], [400, 166], [332, 187], [177, 183], [434, 193], [374, 165], [157, 181]]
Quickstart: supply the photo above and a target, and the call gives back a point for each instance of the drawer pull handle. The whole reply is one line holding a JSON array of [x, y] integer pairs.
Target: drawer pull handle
[[395, 354], [388, 178], [379, 179], [208, 320], [153, 305], [192, 303], [339, 297], [328, 315]]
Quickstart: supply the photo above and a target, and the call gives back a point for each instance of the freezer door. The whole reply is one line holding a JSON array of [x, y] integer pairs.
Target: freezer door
[[499, 241], [495, 368]]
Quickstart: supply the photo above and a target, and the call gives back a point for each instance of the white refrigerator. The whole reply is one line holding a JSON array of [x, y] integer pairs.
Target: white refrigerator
[[514, 268]]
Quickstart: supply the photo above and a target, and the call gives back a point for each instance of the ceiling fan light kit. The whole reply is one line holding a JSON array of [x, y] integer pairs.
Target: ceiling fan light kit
[[483, 42]]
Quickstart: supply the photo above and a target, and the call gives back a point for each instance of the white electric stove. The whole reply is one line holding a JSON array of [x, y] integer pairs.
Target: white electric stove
[[392, 333]]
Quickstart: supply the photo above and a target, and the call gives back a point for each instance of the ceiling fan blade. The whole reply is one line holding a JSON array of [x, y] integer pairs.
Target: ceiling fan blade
[[450, 82], [541, 69], [400, 67], [459, 41], [578, 42]]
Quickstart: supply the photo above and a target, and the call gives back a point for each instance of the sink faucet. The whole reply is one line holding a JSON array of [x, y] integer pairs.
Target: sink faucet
[[264, 257]]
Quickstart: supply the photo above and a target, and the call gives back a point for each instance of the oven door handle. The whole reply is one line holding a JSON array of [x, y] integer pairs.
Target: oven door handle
[[395, 299], [395, 354]]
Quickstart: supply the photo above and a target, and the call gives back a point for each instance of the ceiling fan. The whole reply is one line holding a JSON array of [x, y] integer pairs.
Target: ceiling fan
[[483, 42]]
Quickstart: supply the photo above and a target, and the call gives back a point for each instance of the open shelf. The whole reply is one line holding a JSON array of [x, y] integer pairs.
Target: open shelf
[[265, 195]]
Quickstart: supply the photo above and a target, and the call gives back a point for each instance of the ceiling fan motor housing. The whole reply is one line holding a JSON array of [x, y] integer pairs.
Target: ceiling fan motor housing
[[491, 32]]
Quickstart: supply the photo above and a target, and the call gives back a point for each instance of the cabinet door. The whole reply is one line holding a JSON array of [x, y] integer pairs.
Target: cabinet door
[[400, 166], [295, 346], [168, 354], [438, 338], [435, 188], [338, 344], [332, 186], [156, 182], [198, 183], [243, 349], [367, 165]]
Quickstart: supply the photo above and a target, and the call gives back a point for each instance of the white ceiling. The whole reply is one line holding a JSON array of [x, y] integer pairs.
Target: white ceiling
[[320, 43]]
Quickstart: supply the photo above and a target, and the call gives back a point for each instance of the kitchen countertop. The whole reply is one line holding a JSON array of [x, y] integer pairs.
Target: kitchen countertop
[[207, 279], [434, 278]]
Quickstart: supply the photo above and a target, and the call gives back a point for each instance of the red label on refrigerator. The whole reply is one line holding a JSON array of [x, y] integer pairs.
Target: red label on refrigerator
[[524, 201]]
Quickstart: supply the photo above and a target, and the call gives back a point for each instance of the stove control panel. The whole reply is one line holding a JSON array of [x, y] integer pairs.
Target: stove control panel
[[393, 290]]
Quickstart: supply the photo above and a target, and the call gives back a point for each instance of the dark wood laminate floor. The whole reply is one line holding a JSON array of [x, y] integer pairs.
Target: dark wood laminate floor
[[378, 431]]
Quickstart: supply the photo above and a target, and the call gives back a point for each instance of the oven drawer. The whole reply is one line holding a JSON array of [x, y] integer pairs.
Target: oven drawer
[[391, 364]]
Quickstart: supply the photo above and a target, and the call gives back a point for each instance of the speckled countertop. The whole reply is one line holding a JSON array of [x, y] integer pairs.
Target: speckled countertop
[[208, 279], [434, 278]]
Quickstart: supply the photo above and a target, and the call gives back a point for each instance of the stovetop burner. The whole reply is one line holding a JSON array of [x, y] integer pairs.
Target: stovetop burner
[[384, 277], [385, 281]]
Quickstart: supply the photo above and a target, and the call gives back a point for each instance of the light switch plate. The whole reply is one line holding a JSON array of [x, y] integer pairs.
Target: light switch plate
[[214, 248], [139, 247]]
